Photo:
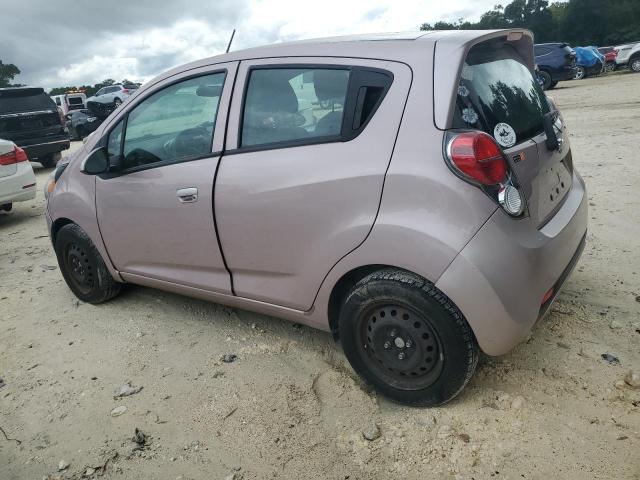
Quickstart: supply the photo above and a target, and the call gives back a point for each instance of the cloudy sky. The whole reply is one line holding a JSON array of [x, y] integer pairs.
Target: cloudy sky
[[74, 42]]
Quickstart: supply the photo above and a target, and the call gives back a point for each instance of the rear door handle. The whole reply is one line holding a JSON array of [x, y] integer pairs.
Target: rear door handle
[[187, 195]]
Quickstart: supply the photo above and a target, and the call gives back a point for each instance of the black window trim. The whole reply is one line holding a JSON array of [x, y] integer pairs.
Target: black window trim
[[349, 107], [125, 118]]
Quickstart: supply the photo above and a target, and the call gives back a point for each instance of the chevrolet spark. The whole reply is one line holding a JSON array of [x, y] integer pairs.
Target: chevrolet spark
[[413, 194]]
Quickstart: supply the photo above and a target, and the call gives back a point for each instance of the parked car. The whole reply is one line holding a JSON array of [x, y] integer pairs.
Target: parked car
[[610, 54], [17, 180], [70, 101], [416, 217], [30, 118], [629, 56], [81, 123], [589, 62], [556, 62], [107, 99]]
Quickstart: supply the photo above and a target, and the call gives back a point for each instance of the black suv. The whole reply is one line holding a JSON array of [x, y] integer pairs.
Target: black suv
[[30, 118]]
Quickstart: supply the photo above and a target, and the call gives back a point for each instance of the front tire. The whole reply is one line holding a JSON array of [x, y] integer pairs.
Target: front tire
[[82, 266], [407, 339], [634, 64], [50, 160], [581, 73], [117, 102]]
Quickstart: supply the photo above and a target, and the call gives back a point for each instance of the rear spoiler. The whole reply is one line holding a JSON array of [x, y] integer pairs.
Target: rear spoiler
[[452, 50]]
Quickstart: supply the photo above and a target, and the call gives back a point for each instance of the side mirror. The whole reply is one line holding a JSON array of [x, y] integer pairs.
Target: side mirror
[[97, 162]]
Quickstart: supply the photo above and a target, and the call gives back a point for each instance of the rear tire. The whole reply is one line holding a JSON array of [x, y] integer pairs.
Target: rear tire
[[609, 67], [581, 73], [117, 102], [50, 160], [82, 266], [547, 82], [407, 339]]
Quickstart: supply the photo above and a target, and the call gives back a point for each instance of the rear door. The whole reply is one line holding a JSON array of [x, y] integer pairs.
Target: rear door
[[309, 142], [499, 95], [155, 212]]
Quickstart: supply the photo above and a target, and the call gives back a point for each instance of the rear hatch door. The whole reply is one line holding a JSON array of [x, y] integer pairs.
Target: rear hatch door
[[498, 94]]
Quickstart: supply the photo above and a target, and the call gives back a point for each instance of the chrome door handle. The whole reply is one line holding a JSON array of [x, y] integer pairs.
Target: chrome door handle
[[187, 195]]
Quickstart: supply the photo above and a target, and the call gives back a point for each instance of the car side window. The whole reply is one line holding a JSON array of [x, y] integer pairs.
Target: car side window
[[293, 105], [173, 124]]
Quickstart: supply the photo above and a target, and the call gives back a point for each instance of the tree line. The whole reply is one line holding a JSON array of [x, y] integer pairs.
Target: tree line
[[577, 22]]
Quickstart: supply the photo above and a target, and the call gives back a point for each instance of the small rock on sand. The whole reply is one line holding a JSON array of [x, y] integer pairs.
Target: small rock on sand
[[116, 412], [371, 432], [62, 465], [517, 403], [632, 378]]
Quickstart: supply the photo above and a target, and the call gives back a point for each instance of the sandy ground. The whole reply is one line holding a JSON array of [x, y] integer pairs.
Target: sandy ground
[[290, 406]]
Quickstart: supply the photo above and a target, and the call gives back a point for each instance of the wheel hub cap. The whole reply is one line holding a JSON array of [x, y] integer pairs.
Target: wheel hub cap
[[402, 343]]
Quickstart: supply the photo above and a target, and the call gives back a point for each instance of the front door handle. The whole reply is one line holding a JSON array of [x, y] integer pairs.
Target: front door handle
[[187, 195]]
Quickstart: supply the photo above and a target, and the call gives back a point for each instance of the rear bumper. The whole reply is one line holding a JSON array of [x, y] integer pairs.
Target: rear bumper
[[499, 279], [12, 189], [36, 150], [567, 73]]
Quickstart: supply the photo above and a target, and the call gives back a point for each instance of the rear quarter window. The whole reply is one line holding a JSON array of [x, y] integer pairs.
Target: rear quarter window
[[496, 87]]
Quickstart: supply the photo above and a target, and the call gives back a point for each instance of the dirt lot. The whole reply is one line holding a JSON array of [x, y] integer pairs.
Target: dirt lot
[[290, 406]]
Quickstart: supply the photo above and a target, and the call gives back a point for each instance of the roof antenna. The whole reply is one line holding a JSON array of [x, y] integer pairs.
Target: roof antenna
[[231, 40]]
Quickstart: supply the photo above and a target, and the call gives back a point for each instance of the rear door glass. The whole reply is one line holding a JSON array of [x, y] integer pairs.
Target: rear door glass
[[25, 100], [498, 95]]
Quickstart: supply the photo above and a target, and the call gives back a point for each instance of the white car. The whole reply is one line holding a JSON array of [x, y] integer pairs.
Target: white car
[[629, 55], [17, 180]]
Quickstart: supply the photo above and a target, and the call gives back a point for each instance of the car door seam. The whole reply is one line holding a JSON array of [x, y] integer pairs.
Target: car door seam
[[215, 179]]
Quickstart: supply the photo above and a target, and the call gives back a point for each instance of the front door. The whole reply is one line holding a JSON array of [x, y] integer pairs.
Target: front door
[[155, 212], [309, 143]]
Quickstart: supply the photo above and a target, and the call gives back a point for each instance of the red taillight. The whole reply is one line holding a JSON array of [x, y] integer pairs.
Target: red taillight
[[478, 156], [16, 156], [124, 90]]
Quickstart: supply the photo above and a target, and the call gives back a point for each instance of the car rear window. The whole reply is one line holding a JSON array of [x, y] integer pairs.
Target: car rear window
[[25, 100], [75, 100], [496, 89]]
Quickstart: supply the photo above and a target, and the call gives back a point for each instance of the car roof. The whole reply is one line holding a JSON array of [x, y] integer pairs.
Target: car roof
[[13, 89], [395, 46]]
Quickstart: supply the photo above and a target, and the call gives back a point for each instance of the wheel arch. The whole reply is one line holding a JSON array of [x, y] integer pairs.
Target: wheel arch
[[345, 283], [57, 225]]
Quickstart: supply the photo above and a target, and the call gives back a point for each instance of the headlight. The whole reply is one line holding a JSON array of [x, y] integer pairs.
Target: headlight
[[49, 185]]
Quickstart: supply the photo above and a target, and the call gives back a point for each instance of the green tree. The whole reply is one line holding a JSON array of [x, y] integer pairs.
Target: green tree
[[578, 22], [7, 73]]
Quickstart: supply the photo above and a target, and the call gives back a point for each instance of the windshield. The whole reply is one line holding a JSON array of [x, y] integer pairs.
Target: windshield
[[496, 89], [25, 100]]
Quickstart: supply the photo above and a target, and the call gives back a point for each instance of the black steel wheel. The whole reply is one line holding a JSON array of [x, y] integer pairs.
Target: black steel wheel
[[402, 345], [82, 266], [406, 338]]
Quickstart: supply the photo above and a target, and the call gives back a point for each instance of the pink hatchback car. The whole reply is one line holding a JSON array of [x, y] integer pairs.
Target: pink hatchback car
[[413, 194]]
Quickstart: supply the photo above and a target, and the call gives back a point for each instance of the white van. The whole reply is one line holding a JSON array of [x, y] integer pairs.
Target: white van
[[70, 101]]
